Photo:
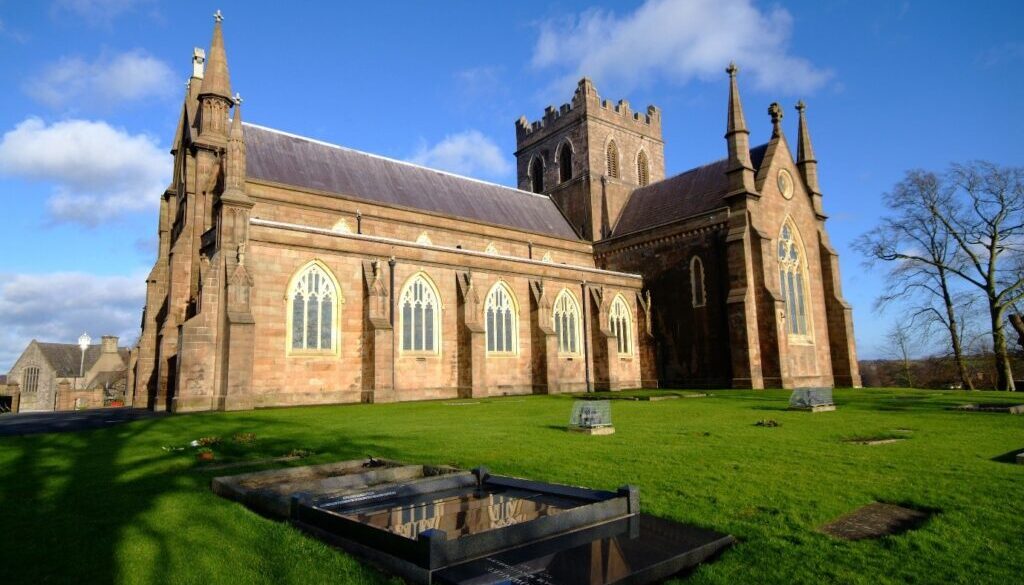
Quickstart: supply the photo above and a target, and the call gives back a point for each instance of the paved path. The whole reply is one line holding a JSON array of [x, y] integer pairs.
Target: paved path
[[31, 423]]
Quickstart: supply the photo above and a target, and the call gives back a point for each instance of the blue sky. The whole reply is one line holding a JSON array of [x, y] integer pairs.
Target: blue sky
[[93, 89]]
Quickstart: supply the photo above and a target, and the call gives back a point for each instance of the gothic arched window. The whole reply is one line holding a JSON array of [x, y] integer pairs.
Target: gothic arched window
[[793, 281], [621, 323], [612, 159], [501, 319], [565, 163], [313, 302], [698, 293], [30, 380], [643, 171], [566, 317], [537, 174], [420, 316]]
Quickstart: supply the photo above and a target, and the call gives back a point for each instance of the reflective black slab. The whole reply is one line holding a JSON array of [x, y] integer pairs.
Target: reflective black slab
[[635, 550]]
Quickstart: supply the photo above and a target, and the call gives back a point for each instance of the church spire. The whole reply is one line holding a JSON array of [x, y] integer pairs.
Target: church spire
[[804, 149], [740, 170], [216, 80], [234, 166], [214, 93], [806, 161]]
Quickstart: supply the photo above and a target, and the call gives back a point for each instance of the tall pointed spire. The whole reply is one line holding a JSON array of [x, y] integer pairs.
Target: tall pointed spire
[[739, 170], [234, 166], [737, 123], [806, 161], [804, 149], [216, 80]]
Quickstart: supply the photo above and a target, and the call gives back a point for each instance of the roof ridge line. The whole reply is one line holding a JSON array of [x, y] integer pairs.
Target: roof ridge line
[[395, 160]]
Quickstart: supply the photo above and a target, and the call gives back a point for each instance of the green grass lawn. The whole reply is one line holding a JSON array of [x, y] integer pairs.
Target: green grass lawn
[[112, 506]]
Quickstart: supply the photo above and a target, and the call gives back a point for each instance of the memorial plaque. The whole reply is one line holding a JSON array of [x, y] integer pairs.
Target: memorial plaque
[[593, 417], [812, 399]]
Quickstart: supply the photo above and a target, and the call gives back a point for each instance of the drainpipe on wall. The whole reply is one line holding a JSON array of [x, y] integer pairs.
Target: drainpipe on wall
[[586, 331], [391, 299]]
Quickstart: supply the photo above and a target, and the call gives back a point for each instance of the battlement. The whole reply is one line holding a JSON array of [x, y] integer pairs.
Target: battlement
[[586, 100]]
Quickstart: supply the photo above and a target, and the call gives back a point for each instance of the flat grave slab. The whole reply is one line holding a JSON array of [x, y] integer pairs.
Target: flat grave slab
[[992, 407], [270, 492], [633, 550], [876, 441], [875, 521], [446, 525]]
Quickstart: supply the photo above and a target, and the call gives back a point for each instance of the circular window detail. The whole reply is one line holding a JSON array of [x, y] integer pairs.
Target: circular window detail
[[786, 184]]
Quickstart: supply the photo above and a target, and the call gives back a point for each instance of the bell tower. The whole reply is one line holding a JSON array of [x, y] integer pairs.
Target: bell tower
[[588, 156]]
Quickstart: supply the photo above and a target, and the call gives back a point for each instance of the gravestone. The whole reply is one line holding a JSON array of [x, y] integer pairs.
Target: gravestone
[[812, 399], [591, 417]]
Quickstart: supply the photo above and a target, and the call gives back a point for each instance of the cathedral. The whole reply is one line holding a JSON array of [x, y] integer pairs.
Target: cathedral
[[295, 271]]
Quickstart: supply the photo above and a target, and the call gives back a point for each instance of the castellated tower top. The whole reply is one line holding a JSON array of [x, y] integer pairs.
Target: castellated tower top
[[587, 101]]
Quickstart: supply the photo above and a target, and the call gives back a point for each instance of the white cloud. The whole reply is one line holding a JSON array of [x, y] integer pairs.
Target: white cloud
[[99, 172], [466, 153], [677, 41], [104, 82], [59, 306]]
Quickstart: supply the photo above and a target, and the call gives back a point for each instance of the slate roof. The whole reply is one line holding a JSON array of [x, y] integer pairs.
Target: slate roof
[[687, 194], [66, 358], [284, 158]]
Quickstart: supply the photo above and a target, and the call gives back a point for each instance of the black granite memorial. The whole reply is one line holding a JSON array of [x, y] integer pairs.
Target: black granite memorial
[[443, 525], [812, 399]]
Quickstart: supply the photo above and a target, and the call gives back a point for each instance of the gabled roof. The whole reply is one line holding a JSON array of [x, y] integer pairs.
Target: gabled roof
[[66, 358], [689, 193], [278, 157]]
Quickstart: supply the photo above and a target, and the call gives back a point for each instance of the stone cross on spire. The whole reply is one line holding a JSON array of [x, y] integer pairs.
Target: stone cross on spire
[[237, 99], [217, 16], [732, 69]]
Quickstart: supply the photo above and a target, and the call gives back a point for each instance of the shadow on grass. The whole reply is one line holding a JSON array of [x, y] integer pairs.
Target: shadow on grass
[[1008, 457], [109, 505]]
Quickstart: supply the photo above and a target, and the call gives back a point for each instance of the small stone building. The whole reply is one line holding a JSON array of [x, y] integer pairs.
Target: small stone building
[[295, 271], [54, 376]]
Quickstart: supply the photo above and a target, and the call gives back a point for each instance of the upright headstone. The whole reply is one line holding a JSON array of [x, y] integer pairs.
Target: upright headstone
[[592, 417], [812, 399]]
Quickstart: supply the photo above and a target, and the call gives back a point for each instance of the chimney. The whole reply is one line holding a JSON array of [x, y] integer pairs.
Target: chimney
[[109, 344], [198, 62]]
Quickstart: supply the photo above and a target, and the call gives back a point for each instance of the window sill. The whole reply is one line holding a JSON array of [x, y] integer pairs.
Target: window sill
[[313, 354], [501, 354], [804, 341]]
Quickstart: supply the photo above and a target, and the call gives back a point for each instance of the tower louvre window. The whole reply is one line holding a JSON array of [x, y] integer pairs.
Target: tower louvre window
[[31, 380], [612, 160], [565, 163], [537, 175], [643, 173]]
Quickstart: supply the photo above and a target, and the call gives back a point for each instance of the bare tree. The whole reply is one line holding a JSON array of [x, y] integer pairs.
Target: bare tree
[[920, 279], [988, 228], [901, 345]]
